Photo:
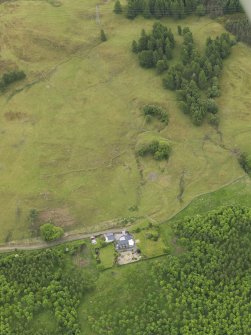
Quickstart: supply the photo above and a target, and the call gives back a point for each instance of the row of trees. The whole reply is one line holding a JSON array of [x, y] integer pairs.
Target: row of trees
[[178, 9], [31, 283], [11, 77], [205, 290]]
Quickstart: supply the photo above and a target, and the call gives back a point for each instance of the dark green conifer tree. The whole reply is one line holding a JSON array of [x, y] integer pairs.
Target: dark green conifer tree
[[103, 35], [131, 9], [202, 81], [134, 46], [117, 7], [146, 11]]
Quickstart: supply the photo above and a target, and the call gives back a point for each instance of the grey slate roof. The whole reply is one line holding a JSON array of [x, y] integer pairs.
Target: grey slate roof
[[125, 242], [109, 237]]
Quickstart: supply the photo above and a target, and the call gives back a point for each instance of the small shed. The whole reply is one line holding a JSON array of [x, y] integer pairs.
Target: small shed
[[93, 240]]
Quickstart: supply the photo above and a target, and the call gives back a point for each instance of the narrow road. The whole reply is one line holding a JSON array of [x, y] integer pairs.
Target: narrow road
[[36, 243]]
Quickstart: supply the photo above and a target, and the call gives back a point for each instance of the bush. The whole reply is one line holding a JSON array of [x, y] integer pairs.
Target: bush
[[159, 112], [211, 106], [159, 150], [103, 35], [11, 77], [154, 236], [213, 120], [245, 162], [49, 232]]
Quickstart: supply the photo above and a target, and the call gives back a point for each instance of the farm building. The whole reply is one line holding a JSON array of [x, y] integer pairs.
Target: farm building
[[125, 242], [109, 237]]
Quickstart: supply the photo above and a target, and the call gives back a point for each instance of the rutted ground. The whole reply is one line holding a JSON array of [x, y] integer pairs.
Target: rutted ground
[[69, 131]]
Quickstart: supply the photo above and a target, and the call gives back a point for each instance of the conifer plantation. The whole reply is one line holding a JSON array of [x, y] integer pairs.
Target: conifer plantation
[[204, 290], [196, 77]]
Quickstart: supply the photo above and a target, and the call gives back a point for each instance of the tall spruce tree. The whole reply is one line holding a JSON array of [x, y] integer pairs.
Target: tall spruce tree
[[202, 82], [146, 10], [117, 7], [103, 35]]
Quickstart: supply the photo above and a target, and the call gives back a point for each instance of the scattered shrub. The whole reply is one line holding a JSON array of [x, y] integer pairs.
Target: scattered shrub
[[11, 77], [103, 35], [245, 162], [156, 111], [159, 150]]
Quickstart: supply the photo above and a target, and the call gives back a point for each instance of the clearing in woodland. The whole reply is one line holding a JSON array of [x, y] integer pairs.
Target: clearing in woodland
[[69, 130]]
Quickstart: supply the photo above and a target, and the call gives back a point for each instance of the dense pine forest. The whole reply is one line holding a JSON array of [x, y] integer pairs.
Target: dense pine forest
[[179, 9], [31, 283], [204, 290], [240, 27]]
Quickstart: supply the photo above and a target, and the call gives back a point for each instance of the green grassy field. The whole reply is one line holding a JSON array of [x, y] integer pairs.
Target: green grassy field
[[69, 149], [107, 256]]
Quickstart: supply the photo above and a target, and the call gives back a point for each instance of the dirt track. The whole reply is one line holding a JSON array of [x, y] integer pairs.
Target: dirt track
[[33, 244]]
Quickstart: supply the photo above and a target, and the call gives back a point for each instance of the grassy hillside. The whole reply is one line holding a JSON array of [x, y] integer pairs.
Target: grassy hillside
[[68, 132]]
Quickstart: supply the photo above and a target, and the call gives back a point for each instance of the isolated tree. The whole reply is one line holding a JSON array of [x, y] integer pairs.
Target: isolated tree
[[49, 232], [117, 7], [179, 30], [103, 35]]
